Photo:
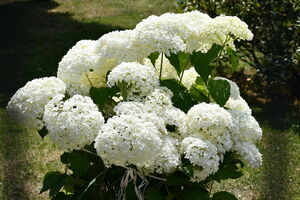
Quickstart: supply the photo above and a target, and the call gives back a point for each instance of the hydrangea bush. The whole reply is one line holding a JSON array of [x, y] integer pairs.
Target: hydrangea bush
[[140, 113]]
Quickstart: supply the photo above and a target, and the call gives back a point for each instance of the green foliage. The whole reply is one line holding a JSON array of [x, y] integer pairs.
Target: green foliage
[[233, 57], [201, 61], [230, 168], [153, 194], [273, 50], [43, 132], [219, 90], [53, 181], [101, 95], [181, 96], [153, 57], [179, 61]]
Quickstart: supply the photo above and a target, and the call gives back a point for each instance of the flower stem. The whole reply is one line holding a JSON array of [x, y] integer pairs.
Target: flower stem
[[161, 64]]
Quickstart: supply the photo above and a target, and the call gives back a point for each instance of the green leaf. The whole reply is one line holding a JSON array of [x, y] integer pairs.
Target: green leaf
[[43, 132], [187, 168], [101, 95], [153, 194], [179, 61], [193, 193], [181, 97], [177, 178], [53, 181], [130, 192], [224, 196], [79, 164], [153, 57], [60, 196], [201, 61], [234, 58], [65, 158], [200, 85], [219, 90], [230, 168]]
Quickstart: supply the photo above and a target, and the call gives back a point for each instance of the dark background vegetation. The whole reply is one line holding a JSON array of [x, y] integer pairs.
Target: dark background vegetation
[[36, 34]]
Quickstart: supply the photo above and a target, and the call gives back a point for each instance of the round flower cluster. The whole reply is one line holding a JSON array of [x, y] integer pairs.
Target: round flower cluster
[[27, 104], [138, 80], [142, 127], [88, 62], [73, 123]]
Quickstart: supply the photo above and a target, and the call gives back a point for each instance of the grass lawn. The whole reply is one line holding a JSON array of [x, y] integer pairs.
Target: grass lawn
[[35, 36]]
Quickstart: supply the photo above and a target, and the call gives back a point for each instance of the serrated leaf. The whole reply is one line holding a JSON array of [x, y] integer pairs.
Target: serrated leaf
[[153, 57], [201, 61], [181, 97], [153, 194], [224, 196], [219, 90], [179, 61], [43, 132], [53, 181]]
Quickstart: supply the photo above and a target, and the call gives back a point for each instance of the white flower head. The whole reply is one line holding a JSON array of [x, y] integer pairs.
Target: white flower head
[[246, 128], [211, 122], [177, 118], [201, 153], [238, 104], [171, 33], [168, 158], [159, 100], [128, 140], [27, 104], [223, 29], [73, 123], [140, 79], [250, 153], [81, 68]]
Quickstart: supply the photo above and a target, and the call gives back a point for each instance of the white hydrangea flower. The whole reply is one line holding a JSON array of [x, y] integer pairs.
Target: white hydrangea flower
[[81, 67], [201, 153], [238, 104], [159, 100], [222, 28], [168, 158], [211, 122], [234, 89], [175, 117], [249, 152], [246, 128], [120, 46], [27, 104], [141, 79], [189, 77], [128, 140], [73, 123], [172, 32], [142, 111]]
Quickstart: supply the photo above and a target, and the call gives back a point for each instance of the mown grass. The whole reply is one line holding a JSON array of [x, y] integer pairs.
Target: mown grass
[[35, 36]]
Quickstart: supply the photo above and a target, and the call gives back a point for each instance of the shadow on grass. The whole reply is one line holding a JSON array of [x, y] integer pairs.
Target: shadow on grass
[[33, 41], [13, 166], [282, 122]]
